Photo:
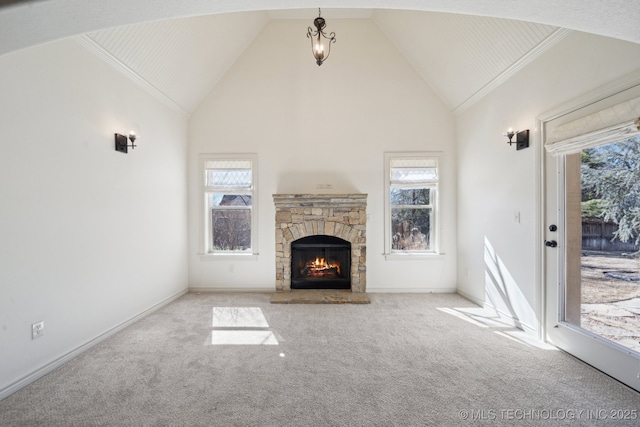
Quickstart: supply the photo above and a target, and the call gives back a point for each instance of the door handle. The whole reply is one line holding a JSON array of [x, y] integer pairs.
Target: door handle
[[551, 243]]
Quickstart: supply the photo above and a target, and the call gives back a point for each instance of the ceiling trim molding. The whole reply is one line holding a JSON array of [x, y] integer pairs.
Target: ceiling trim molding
[[93, 47], [529, 57], [622, 84]]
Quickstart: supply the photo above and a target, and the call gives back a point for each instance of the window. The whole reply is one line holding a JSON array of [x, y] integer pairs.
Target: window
[[230, 204], [411, 199]]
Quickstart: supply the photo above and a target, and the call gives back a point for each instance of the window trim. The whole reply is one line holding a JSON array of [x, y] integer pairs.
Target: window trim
[[205, 217], [434, 253]]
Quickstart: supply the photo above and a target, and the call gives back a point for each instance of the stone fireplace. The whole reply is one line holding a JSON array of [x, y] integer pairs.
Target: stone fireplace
[[305, 221]]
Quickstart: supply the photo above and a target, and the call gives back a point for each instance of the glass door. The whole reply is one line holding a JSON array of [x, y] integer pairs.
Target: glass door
[[602, 289], [592, 256]]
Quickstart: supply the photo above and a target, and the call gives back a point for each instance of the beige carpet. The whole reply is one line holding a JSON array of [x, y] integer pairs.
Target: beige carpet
[[320, 296], [238, 360]]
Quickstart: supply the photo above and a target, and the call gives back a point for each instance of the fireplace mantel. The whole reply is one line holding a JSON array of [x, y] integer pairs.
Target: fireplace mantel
[[321, 200], [338, 215]]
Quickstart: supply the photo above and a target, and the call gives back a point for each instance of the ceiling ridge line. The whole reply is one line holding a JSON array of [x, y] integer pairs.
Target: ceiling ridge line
[[95, 48], [533, 54]]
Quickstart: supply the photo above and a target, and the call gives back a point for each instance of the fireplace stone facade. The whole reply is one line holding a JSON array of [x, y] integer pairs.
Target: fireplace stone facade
[[338, 215]]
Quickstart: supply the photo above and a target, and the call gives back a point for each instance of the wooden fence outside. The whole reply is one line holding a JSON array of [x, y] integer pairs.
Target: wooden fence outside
[[597, 235]]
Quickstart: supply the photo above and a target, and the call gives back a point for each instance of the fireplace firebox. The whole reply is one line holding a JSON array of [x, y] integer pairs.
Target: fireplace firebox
[[320, 262]]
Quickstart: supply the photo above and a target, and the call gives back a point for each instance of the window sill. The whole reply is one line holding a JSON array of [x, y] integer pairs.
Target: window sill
[[414, 257], [228, 257]]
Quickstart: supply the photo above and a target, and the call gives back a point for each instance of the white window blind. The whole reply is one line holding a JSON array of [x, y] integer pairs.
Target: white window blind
[[229, 173], [612, 124], [413, 170]]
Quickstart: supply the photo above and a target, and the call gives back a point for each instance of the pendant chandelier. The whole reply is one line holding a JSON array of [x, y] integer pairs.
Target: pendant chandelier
[[320, 42]]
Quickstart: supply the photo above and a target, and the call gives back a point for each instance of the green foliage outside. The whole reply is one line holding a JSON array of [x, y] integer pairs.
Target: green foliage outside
[[592, 208], [611, 186]]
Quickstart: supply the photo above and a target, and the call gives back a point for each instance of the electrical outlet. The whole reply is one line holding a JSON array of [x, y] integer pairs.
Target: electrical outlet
[[37, 330]]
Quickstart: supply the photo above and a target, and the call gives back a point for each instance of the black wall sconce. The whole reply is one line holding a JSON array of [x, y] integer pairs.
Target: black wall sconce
[[122, 142], [522, 138]]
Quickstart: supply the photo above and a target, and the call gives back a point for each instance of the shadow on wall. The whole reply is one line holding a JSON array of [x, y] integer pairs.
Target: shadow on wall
[[503, 294]]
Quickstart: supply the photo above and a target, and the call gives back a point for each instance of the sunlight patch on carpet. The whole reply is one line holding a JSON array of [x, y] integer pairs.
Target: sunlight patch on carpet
[[525, 338], [238, 317], [243, 338], [462, 316], [240, 326], [488, 317]]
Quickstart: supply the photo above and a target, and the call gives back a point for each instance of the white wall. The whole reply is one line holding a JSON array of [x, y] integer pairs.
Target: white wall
[[496, 256], [315, 125], [90, 237]]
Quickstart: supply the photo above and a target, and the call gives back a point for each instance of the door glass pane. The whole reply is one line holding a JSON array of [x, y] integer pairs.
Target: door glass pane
[[602, 293]]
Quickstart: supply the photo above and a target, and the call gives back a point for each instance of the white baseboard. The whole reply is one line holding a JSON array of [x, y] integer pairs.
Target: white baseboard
[[203, 289], [470, 298], [49, 367], [411, 290]]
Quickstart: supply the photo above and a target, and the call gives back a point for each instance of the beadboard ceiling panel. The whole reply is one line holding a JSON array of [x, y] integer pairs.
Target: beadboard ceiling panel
[[458, 55], [462, 57], [183, 58], [310, 14]]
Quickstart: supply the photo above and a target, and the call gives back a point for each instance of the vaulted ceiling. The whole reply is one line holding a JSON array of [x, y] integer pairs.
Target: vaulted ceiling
[[458, 55], [462, 56]]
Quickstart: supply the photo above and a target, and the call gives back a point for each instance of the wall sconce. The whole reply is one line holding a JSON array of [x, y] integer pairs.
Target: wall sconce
[[320, 42], [122, 142], [522, 138]]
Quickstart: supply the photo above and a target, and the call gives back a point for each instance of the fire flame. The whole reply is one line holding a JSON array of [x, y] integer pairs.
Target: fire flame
[[320, 265]]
